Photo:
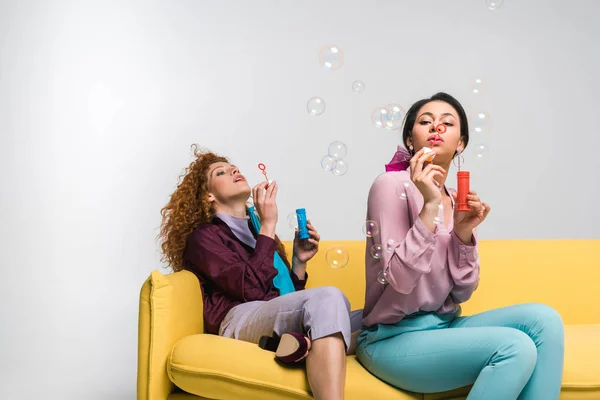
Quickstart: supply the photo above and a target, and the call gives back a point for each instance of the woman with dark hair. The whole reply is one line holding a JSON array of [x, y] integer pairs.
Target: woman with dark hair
[[426, 264], [249, 289]]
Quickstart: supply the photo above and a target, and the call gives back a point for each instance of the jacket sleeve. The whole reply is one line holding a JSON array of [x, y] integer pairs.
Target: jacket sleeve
[[299, 284], [242, 280]]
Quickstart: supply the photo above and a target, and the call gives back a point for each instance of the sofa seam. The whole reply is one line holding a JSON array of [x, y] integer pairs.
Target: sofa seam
[[237, 378], [581, 386]]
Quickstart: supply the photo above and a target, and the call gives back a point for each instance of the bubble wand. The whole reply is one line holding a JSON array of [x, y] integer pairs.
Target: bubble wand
[[441, 129], [263, 169], [463, 178], [300, 213]]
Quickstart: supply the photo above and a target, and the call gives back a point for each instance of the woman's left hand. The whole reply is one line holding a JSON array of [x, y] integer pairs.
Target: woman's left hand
[[466, 221], [306, 249]]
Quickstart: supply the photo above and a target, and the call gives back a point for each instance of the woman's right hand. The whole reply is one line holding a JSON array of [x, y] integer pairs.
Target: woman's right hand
[[265, 203], [423, 177]]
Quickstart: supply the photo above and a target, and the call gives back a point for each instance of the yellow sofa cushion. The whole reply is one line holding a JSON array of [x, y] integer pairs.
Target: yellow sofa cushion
[[221, 368], [582, 358], [217, 367]]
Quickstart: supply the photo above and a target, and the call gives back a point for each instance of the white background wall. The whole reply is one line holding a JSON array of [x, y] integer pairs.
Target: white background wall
[[100, 101]]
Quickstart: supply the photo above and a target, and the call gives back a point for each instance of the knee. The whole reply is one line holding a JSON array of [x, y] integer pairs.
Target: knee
[[521, 348], [548, 315], [548, 318], [330, 296]]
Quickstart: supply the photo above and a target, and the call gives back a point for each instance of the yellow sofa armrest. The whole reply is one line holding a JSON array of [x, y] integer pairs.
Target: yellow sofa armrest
[[170, 309]]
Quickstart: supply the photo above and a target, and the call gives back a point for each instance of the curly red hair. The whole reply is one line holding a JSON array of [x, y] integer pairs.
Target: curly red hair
[[189, 207]]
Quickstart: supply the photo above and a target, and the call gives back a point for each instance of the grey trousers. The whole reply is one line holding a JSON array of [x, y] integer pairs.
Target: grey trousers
[[316, 312]]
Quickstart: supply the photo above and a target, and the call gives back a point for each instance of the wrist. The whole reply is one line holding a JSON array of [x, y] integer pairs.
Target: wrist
[[428, 213], [267, 229], [297, 264], [465, 236], [299, 272]]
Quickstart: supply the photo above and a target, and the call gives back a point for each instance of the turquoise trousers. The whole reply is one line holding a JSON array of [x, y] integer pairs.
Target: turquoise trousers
[[509, 353]]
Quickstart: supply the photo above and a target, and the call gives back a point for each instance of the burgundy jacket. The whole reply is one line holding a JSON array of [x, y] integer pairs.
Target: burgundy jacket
[[230, 272]]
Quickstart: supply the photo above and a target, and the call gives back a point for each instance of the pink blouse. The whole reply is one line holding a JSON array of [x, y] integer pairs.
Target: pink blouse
[[424, 270]]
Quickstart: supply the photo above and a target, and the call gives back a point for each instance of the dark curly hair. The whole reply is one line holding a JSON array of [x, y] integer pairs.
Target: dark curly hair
[[189, 207]]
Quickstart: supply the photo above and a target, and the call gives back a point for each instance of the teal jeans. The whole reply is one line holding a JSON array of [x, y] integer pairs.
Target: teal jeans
[[509, 353]]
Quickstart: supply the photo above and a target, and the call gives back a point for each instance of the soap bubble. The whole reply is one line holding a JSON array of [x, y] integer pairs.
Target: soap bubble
[[393, 118], [337, 150], [358, 87], [377, 251], [315, 106], [331, 57], [390, 245], [328, 163], [370, 228], [341, 167], [337, 257], [482, 123], [292, 220], [493, 5], [402, 190], [382, 277], [481, 151], [477, 87], [379, 116]]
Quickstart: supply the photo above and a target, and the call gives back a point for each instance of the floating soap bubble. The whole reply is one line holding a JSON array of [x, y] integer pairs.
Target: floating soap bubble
[[477, 87], [358, 87], [331, 57], [393, 118], [482, 152], [337, 150], [292, 220], [328, 163], [382, 277], [337, 257], [390, 245], [377, 251], [402, 190], [379, 116], [341, 167], [482, 123], [370, 228], [493, 5], [315, 106]]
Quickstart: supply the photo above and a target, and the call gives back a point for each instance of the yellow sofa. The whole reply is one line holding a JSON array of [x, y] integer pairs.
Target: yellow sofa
[[177, 361]]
